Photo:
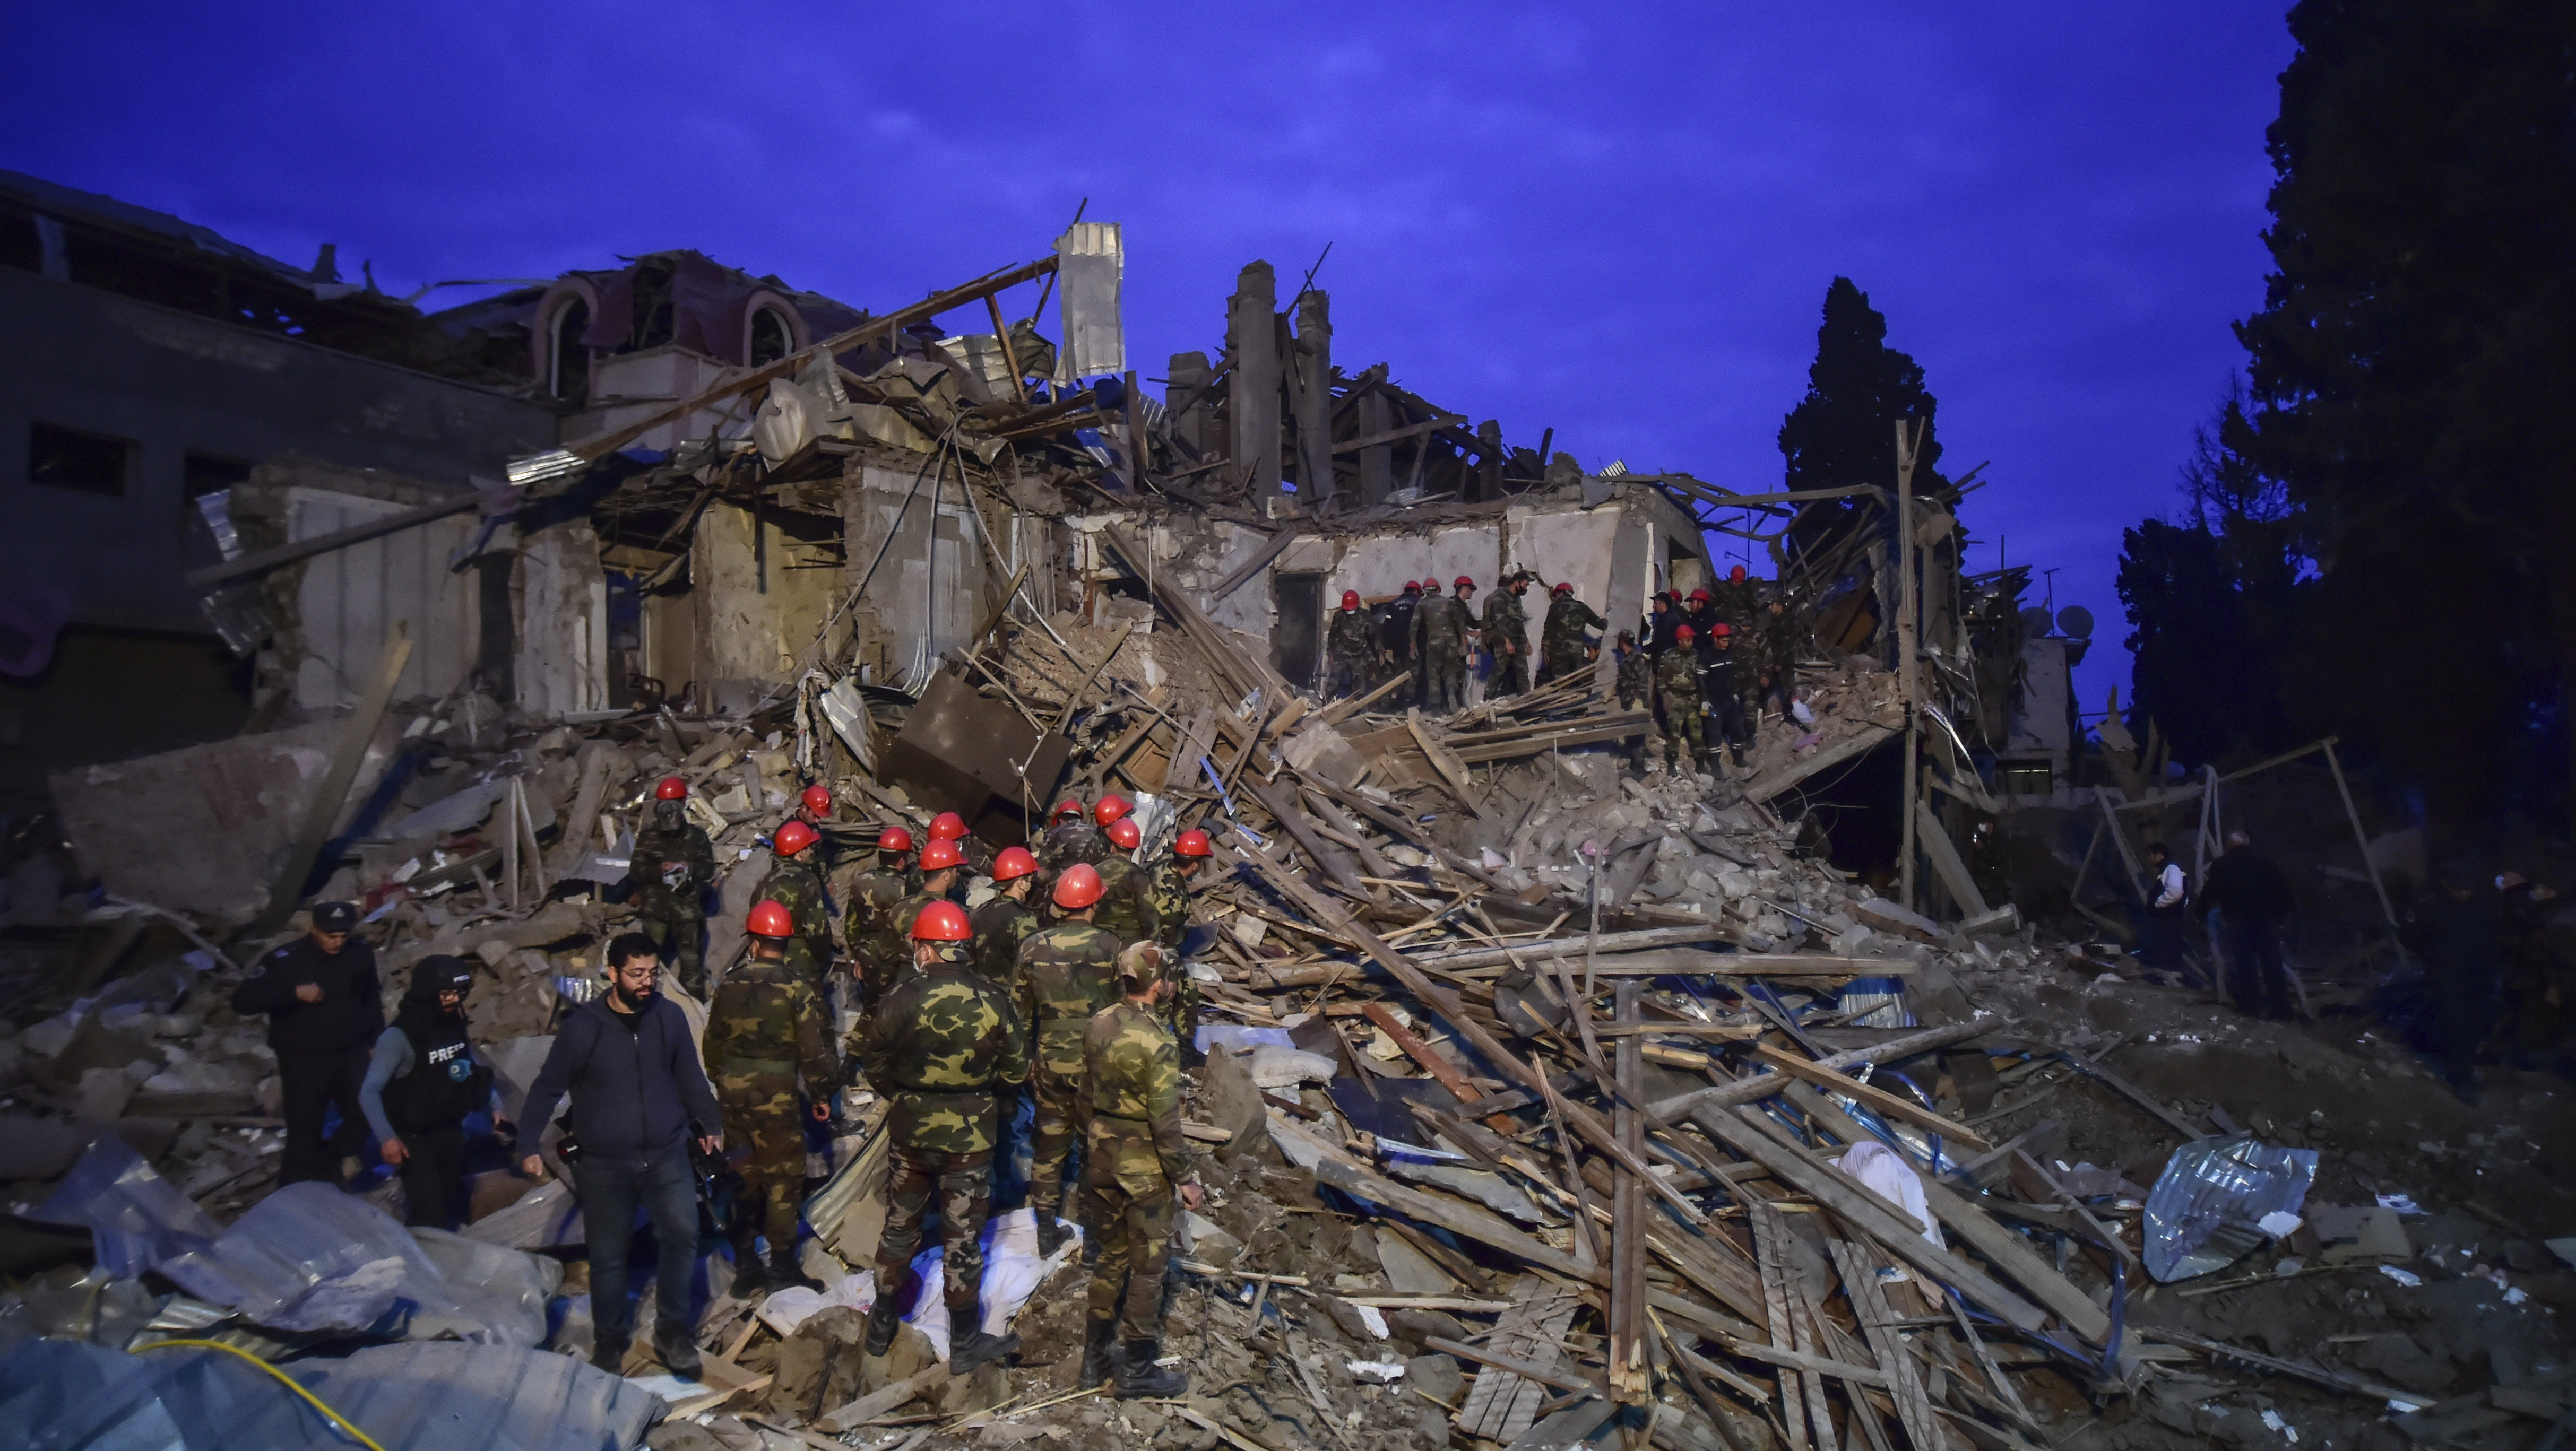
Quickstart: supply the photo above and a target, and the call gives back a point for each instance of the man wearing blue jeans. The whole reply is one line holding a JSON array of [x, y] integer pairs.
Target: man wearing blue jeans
[[638, 1096]]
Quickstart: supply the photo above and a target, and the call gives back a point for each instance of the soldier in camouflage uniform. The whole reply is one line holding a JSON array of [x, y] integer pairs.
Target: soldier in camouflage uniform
[[1126, 909], [1677, 676], [795, 882], [941, 866], [1072, 838], [768, 1044], [1507, 636], [1784, 634], [1064, 977], [1562, 648], [1636, 687], [671, 868], [1135, 1165], [1350, 649], [1005, 922], [1172, 903], [1440, 650], [1734, 599], [946, 1050], [877, 947]]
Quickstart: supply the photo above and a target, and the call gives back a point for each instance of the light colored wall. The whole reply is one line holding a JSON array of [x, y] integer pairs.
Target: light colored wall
[[562, 598], [349, 600], [750, 638]]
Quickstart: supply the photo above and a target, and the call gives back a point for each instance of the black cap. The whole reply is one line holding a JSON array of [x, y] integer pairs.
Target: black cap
[[438, 973], [335, 917]]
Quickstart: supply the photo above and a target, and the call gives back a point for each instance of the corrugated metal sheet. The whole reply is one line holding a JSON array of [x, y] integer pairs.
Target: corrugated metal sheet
[[350, 598]]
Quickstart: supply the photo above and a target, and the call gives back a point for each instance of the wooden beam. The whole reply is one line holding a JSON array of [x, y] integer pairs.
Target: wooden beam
[[1259, 561], [261, 561], [333, 792], [1397, 435], [1876, 1100]]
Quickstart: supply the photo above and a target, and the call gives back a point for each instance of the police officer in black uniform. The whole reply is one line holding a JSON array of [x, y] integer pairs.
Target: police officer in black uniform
[[324, 1009]]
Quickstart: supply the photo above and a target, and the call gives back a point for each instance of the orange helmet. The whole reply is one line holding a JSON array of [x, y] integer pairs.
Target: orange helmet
[[1124, 834], [792, 838], [1078, 888], [947, 826], [1350, 599], [942, 922], [1193, 842], [894, 838], [769, 919], [1067, 809], [673, 788], [941, 854], [817, 799], [1110, 809], [1013, 864]]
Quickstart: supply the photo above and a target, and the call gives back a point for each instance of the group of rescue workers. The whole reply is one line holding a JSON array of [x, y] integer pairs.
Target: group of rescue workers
[[1710, 665], [1064, 985]]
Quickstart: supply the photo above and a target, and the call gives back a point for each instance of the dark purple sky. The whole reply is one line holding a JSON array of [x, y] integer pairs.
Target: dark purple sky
[[1614, 220]]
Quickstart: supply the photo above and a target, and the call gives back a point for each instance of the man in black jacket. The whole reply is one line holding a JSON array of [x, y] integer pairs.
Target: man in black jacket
[[424, 1079], [638, 1097], [2252, 899], [324, 1010]]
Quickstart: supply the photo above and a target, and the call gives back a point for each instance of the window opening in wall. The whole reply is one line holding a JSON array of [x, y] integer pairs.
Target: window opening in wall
[[567, 361], [770, 337], [67, 458], [1296, 641]]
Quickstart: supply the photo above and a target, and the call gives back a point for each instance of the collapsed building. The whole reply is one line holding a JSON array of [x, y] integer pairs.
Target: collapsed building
[[1545, 1101]]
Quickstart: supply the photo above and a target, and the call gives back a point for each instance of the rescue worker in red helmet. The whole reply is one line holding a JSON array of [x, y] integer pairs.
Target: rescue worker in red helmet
[[668, 873], [948, 1052], [1395, 637], [795, 883], [1067, 972], [768, 1046], [1721, 684], [942, 872], [1126, 902], [1563, 648], [1439, 655], [1005, 921], [1073, 838], [949, 826], [1506, 639], [1349, 649], [1172, 874], [876, 941]]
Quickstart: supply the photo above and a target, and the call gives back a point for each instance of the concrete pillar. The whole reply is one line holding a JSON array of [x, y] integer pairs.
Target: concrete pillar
[[1313, 357], [1377, 463], [1252, 334], [1185, 396]]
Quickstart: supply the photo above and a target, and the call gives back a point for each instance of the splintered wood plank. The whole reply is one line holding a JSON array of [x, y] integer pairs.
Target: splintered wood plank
[[1859, 1269], [1500, 1405], [1187, 750], [1769, 1247]]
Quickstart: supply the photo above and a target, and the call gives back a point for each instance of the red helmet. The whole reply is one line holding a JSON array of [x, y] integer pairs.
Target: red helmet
[[1463, 582], [1013, 864], [1350, 599], [1123, 833], [673, 788], [1699, 596], [1684, 633], [792, 838], [894, 838], [1720, 630], [1067, 809], [1674, 595], [1078, 888], [947, 826], [1193, 842], [817, 799], [1110, 809], [1562, 588], [769, 919], [941, 854], [1413, 586], [1735, 575], [942, 922]]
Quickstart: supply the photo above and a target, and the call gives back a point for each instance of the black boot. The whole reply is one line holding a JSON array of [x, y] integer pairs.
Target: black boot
[[750, 1276], [608, 1352], [1099, 1351], [677, 1348], [1050, 1232], [882, 1322], [786, 1271], [1140, 1378], [978, 1348]]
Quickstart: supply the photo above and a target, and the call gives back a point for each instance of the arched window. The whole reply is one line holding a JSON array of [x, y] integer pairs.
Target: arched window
[[567, 359], [771, 338]]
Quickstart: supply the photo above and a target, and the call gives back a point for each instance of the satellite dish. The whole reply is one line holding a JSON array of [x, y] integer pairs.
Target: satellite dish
[[2076, 621], [2034, 621]]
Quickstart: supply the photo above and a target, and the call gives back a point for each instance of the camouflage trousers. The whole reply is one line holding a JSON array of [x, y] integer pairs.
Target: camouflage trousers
[[1561, 660], [1061, 1115], [684, 946], [1345, 675], [1444, 680], [1511, 675], [773, 1170], [1682, 734], [1128, 1203], [962, 1183]]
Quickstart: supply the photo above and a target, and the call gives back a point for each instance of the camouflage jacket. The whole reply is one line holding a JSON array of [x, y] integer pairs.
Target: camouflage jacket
[[1066, 974], [1567, 618], [1171, 904], [670, 869], [1126, 901], [1636, 677], [1732, 602], [873, 894], [796, 883], [1439, 627], [767, 1042], [1352, 636], [1783, 636], [1132, 1073], [899, 929], [941, 1045], [1001, 925], [1068, 842], [1677, 671], [1506, 624]]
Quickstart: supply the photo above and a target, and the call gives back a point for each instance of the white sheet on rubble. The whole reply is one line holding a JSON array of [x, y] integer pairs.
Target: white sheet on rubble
[[1877, 1167], [1012, 1273]]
